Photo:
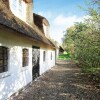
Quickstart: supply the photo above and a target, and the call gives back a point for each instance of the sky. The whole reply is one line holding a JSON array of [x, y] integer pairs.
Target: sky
[[61, 14]]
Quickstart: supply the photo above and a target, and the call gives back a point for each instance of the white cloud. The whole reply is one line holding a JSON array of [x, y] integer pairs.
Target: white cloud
[[58, 24], [61, 23]]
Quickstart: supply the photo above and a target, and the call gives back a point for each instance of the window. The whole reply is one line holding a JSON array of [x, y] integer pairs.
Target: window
[[3, 59], [51, 55], [20, 7], [25, 57], [43, 55], [14, 4], [47, 30]]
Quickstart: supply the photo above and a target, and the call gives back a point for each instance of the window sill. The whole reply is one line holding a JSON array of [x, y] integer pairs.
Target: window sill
[[4, 75]]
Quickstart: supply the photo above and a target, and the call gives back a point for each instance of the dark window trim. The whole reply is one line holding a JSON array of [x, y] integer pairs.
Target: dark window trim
[[3, 59]]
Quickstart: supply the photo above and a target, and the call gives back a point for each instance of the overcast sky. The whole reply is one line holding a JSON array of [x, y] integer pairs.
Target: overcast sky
[[61, 14]]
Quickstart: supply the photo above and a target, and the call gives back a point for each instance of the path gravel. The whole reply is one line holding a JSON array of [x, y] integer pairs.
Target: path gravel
[[62, 82]]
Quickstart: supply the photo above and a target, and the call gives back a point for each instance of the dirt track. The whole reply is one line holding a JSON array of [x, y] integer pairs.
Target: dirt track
[[62, 82]]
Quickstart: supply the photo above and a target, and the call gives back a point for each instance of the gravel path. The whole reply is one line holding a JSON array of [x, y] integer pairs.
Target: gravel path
[[62, 82]]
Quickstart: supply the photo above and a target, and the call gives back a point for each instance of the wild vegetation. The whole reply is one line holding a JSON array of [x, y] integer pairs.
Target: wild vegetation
[[83, 40]]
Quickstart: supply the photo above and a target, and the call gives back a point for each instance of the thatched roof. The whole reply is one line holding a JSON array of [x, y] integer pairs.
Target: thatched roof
[[39, 21], [61, 49], [8, 19], [28, 1]]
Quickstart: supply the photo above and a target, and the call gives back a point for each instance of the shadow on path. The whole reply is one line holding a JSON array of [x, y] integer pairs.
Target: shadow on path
[[62, 82]]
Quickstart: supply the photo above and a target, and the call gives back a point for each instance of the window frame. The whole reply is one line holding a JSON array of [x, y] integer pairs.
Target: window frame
[[20, 8], [14, 4], [44, 56], [25, 57], [5, 59]]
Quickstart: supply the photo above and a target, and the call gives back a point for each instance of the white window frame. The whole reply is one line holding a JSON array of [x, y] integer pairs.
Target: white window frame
[[20, 8], [14, 5]]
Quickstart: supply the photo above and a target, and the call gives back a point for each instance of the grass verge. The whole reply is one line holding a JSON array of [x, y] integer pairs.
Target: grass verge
[[64, 56]]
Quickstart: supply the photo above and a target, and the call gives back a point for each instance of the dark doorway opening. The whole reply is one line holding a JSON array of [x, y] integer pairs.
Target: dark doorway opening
[[35, 61]]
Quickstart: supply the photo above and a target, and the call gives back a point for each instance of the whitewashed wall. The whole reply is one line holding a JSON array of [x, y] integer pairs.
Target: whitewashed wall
[[48, 63], [17, 76]]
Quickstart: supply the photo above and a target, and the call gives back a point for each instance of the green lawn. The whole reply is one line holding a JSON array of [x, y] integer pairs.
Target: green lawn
[[64, 56]]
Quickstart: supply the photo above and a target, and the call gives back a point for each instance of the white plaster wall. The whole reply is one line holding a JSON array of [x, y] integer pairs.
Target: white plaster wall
[[48, 63], [17, 76]]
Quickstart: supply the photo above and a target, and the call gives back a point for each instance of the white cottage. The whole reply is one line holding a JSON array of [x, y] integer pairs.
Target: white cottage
[[25, 51]]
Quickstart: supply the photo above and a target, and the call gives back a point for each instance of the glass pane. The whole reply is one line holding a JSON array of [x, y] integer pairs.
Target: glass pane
[[25, 57], [20, 9], [1, 56], [25, 53], [25, 61], [24, 64], [44, 56], [0, 50], [5, 62], [14, 4], [5, 56], [4, 50], [5, 68], [1, 69], [1, 62]]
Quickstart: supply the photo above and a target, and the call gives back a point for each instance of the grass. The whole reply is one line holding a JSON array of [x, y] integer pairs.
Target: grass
[[64, 56]]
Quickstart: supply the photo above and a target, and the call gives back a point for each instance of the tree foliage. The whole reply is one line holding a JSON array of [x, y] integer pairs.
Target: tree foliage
[[83, 39]]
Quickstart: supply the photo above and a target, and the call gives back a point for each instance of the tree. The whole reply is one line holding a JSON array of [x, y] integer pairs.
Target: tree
[[83, 39]]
